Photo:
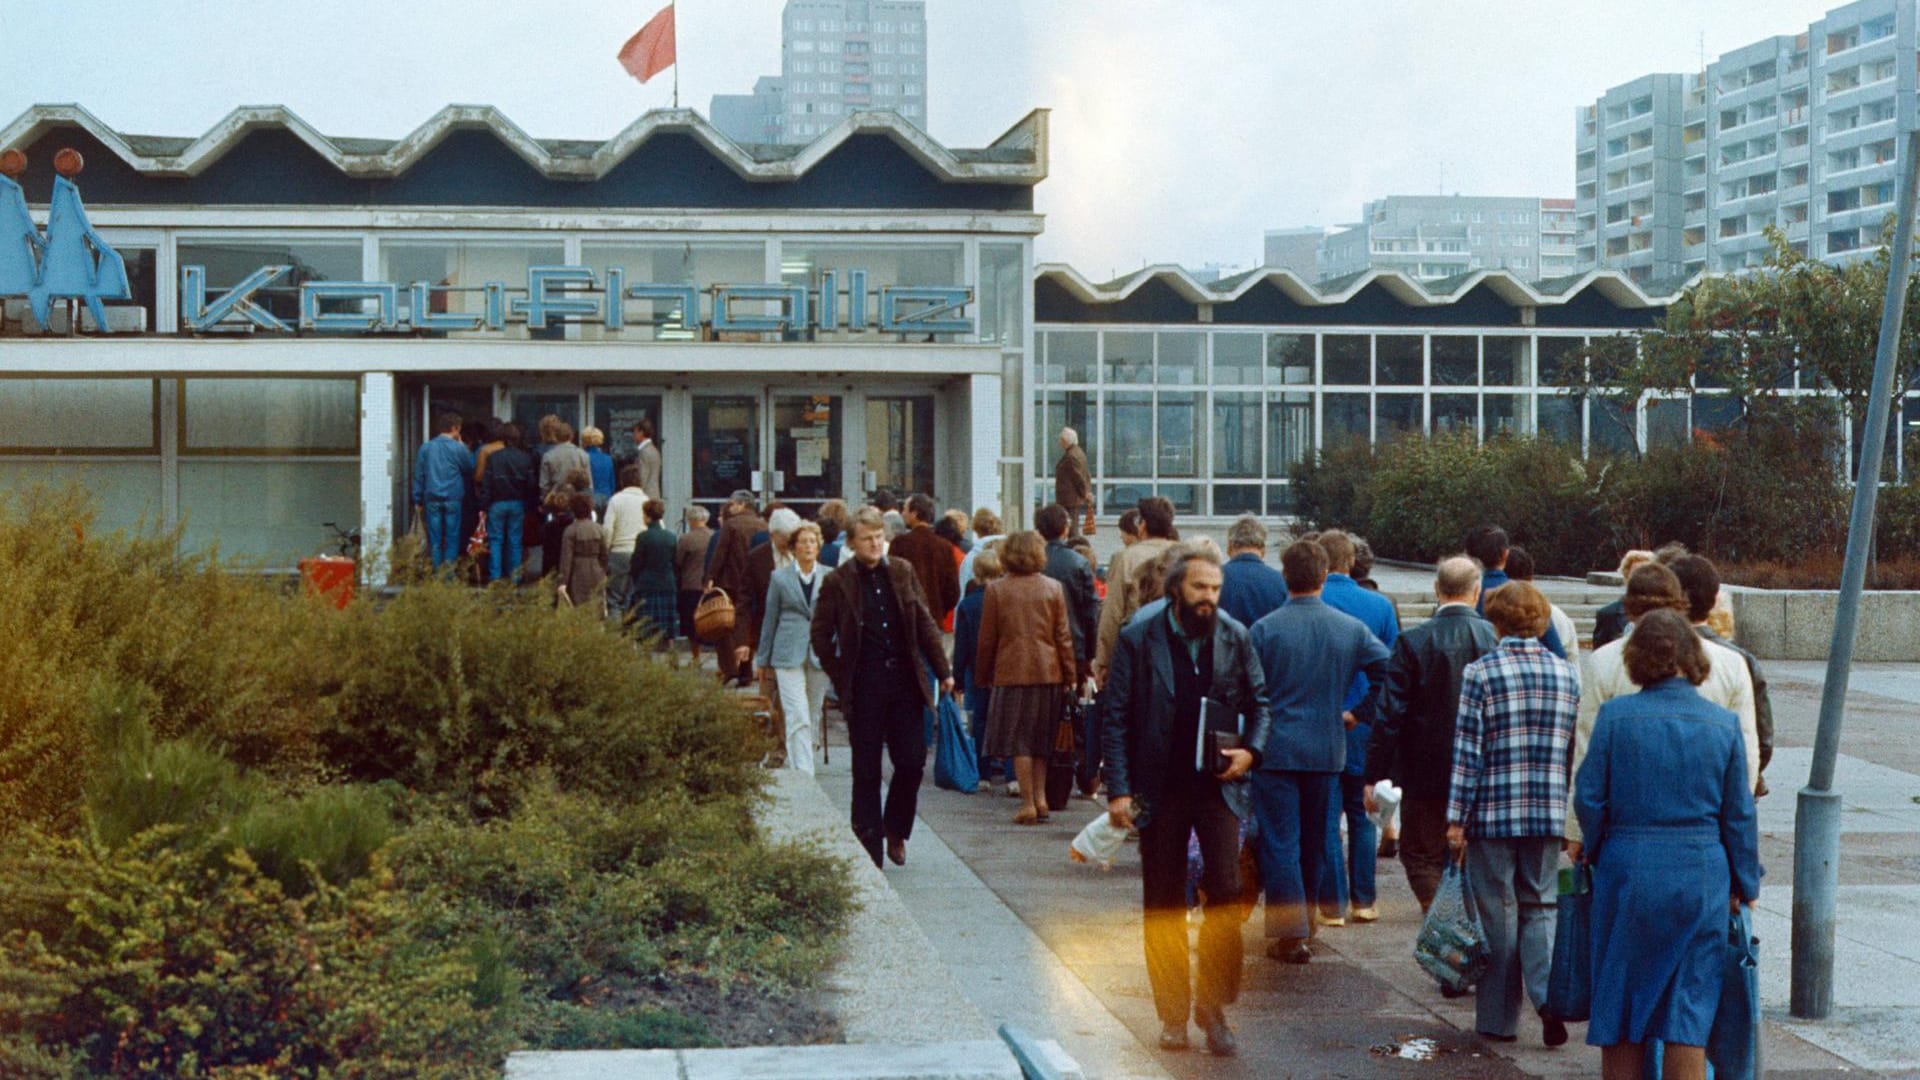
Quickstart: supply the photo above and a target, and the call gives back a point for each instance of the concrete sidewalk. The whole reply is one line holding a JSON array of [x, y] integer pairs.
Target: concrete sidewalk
[[1033, 938]]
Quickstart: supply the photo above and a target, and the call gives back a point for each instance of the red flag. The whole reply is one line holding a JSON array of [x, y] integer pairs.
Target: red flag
[[650, 52]]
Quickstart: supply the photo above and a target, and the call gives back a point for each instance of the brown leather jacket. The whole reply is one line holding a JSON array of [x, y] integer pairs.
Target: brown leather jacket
[[836, 628], [1024, 639], [932, 562]]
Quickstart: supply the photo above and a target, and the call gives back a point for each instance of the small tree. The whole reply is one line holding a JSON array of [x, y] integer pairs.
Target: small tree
[[1746, 333]]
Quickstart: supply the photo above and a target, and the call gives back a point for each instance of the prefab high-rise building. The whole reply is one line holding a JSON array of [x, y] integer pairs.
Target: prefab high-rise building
[[836, 57], [1681, 174]]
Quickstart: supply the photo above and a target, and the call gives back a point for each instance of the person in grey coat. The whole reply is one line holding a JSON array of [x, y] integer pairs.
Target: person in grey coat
[[646, 455], [1167, 668], [1309, 653], [785, 650]]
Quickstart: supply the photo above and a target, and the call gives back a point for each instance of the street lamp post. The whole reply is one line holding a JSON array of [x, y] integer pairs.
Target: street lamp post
[[1816, 824]]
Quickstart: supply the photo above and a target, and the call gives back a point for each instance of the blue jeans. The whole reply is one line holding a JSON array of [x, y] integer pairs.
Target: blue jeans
[[1291, 809], [1355, 879], [443, 531], [505, 521]]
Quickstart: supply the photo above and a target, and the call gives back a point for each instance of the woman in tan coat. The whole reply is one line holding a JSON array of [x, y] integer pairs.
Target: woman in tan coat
[[1026, 657]]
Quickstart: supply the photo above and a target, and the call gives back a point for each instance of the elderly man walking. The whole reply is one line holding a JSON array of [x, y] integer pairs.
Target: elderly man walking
[[1309, 654], [1251, 589], [740, 529], [874, 637], [1072, 480], [1412, 740], [1176, 678]]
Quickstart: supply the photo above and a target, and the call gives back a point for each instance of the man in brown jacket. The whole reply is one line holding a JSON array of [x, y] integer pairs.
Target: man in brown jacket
[[930, 556], [741, 523], [875, 639], [1072, 480]]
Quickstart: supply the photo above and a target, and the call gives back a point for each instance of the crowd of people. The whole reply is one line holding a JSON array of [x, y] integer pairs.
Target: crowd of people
[[1247, 713]]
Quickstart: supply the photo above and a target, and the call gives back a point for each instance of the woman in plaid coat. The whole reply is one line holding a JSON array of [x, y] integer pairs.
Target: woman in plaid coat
[[1507, 803], [653, 586]]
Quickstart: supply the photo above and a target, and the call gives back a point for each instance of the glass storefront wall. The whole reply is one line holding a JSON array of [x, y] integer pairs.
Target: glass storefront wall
[[1219, 418], [257, 466]]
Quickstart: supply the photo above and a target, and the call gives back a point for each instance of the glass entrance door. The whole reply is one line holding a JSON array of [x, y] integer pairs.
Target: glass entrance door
[[900, 444], [726, 446], [807, 466], [616, 411]]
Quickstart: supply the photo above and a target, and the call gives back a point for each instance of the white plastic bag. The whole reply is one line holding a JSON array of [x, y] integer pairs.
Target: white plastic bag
[[1386, 801], [1099, 842]]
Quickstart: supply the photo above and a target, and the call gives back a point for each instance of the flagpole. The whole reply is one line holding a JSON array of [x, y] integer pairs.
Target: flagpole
[[676, 54]]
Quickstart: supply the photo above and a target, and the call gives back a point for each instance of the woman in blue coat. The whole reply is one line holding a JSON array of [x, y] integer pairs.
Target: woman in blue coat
[[1667, 811]]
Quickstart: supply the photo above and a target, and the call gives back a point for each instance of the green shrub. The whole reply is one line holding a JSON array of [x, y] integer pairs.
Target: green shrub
[[331, 831], [145, 960], [1331, 490], [449, 690], [1897, 520]]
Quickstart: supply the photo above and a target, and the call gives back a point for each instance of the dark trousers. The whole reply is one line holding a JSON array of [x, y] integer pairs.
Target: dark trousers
[[886, 714], [1291, 808], [1423, 845], [1163, 873]]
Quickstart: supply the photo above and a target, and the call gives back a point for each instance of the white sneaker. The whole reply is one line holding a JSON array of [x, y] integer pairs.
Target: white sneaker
[[984, 785], [1013, 788], [1365, 914]]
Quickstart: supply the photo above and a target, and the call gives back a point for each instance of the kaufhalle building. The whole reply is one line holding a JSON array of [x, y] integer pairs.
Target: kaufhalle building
[[810, 322]]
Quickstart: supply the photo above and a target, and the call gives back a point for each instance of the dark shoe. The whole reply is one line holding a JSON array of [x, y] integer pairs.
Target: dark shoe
[[1553, 1031], [1450, 992], [1389, 848], [1220, 1040], [1173, 1036], [897, 851], [1290, 951], [1490, 1037]]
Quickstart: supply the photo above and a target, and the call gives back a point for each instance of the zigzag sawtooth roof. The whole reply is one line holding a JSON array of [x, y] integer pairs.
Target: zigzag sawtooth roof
[[1018, 157], [1619, 289]]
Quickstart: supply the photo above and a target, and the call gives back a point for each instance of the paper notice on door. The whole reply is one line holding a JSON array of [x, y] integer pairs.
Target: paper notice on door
[[809, 457]]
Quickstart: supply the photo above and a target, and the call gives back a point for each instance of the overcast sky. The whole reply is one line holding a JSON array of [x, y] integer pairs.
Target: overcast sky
[[1181, 130]]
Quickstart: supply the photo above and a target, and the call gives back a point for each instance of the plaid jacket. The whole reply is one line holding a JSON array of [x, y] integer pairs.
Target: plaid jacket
[[1518, 705]]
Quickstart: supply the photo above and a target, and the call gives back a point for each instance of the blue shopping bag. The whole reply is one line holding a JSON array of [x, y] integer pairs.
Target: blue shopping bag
[[1733, 1044], [956, 766], [1452, 946], [1570, 986]]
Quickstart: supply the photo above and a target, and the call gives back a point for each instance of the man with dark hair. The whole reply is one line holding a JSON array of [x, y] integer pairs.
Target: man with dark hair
[[1700, 581], [1349, 872], [1310, 654], [1175, 678], [1130, 533], [874, 638], [1075, 576], [1251, 588], [1123, 596], [1412, 740], [1488, 545], [439, 486], [930, 556]]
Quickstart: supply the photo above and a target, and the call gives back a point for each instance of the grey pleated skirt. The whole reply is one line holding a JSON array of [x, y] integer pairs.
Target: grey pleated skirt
[[1021, 720]]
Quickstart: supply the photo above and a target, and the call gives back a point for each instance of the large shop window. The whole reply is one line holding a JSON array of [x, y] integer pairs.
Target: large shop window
[[1346, 360], [1396, 415], [1128, 357], [1289, 432], [1003, 293], [1182, 359], [1063, 409], [1398, 358], [1343, 417], [265, 463], [1128, 449], [228, 262], [1289, 359], [1560, 419], [1456, 360], [1236, 360], [1455, 414], [702, 265], [1069, 356], [464, 268], [900, 443], [1182, 436], [1236, 435], [97, 438]]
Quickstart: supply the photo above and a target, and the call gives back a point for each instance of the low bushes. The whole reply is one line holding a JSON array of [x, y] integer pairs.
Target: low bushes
[[1769, 493], [245, 835]]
